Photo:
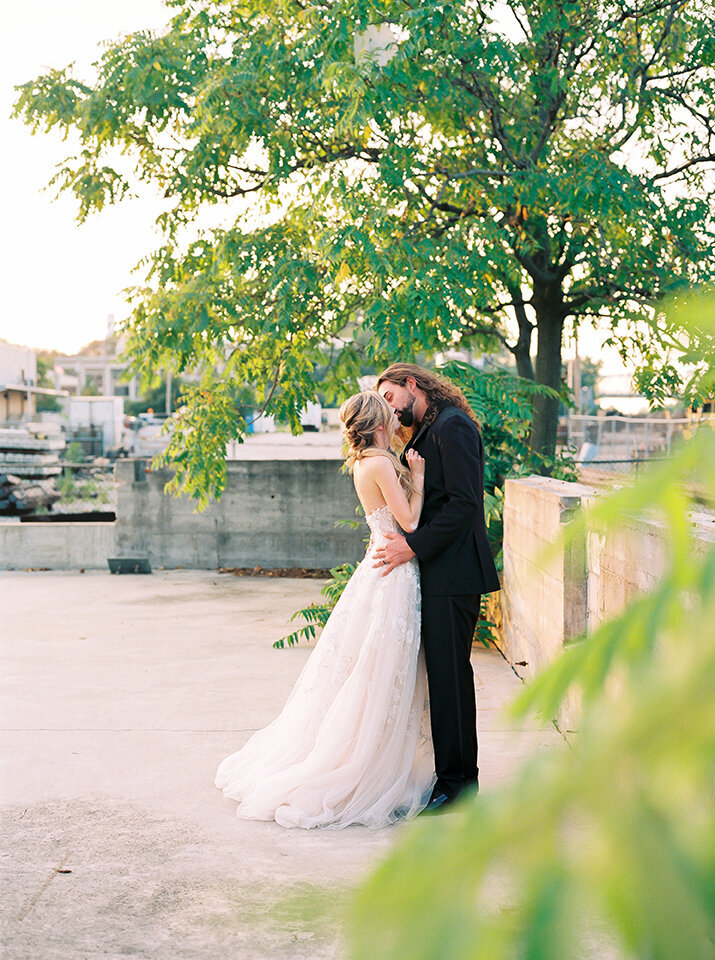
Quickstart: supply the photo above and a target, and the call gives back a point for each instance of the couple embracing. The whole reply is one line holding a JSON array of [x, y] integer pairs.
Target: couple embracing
[[381, 724]]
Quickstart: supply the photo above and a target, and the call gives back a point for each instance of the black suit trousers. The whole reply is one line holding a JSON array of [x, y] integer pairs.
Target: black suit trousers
[[447, 629]]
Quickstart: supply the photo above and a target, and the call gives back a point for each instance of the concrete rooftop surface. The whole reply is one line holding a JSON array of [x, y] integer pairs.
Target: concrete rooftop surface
[[120, 695], [321, 445]]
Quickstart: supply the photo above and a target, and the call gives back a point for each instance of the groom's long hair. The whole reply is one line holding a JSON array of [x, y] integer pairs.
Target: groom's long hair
[[361, 415], [432, 385]]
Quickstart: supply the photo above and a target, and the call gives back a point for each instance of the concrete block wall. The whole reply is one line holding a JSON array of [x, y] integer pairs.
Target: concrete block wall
[[551, 594], [543, 599], [273, 513], [56, 546], [630, 560]]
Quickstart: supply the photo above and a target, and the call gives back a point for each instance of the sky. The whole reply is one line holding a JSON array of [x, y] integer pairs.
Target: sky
[[60, 280]]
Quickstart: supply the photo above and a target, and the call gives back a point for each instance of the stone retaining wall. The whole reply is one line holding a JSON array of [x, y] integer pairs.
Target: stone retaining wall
[[273, 513], [551, 594]]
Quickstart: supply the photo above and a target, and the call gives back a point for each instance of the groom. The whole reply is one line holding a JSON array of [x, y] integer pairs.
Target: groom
[[456, 565]]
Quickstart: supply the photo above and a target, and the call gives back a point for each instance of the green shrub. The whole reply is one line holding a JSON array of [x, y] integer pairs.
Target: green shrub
[[74, 453], [66, 486], [316, 615]]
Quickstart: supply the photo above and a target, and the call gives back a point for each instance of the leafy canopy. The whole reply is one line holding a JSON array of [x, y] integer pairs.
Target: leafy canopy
[[549, 162]]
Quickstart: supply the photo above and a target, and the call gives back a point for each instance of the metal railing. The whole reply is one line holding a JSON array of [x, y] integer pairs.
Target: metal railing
[[600, 473], [618, 439], [90, 438]]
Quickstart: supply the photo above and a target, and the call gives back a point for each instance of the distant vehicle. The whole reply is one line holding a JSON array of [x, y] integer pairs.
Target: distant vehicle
[[146, 436]]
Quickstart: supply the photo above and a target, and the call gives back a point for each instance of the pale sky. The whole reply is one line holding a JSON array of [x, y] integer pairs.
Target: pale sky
[[61, 280]]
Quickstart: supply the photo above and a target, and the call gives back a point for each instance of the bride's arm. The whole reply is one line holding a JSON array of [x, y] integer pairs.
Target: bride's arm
[[406, 512]]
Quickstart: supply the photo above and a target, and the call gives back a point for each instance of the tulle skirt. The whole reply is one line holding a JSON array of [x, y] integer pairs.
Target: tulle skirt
[[352, 743]]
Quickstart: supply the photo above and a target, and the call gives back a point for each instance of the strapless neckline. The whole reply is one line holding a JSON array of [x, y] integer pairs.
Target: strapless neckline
[[377, 510]]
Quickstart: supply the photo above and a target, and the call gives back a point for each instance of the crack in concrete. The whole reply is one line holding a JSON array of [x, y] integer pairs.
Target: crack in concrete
[[33, 900]]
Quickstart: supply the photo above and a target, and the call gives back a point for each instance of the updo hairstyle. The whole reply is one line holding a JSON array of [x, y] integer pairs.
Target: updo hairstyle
[[361, 416]]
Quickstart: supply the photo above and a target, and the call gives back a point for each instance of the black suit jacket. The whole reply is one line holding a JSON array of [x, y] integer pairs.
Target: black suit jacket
[[451, 542]]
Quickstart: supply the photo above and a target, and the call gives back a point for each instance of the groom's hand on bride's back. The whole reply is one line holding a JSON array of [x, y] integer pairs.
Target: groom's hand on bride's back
[[394, 553]]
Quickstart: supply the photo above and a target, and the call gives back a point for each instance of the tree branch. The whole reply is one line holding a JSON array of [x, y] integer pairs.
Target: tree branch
[[523, 27], [609, 293], [477, 172], [640, 72], [230, 194], [473, 329], [491, 105], [684, 166]]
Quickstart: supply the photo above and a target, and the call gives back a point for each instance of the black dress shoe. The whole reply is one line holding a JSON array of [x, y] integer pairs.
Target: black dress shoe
[[438, 804]]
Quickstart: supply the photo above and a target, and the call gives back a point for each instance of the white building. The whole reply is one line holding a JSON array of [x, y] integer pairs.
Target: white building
[[105, 415], [17, 364], [98, 366], [18, 383]]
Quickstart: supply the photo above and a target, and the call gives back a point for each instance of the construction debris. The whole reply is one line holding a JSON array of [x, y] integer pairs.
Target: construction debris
[[18, 496], [299, 573], [29, 455]]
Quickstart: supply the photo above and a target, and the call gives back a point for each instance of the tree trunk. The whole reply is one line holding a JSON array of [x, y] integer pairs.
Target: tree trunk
[[524, 366], [522, 347], [548, 305]]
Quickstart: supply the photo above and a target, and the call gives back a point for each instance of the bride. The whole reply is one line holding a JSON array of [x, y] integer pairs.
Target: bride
[[352, 742]]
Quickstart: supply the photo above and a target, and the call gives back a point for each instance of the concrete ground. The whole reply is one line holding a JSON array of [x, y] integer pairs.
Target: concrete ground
[[120, 695], [321, 445]]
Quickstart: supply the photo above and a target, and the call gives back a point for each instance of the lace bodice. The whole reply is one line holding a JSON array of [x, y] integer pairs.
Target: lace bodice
[[381, 521]]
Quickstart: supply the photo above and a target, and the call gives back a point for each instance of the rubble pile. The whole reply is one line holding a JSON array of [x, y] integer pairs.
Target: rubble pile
[[18, 496], [27, 455], [29, 462]]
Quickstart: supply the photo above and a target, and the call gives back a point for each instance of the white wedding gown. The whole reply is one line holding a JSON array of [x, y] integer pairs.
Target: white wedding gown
[[352, 743]]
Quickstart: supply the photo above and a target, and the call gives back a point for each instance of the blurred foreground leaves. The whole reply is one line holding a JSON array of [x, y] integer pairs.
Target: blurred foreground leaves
[[604, 847]]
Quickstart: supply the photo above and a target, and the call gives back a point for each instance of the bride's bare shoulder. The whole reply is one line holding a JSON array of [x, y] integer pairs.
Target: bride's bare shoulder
[[374, 466]]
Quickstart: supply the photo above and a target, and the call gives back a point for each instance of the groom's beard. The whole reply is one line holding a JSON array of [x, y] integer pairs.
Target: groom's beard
[[406, 415]]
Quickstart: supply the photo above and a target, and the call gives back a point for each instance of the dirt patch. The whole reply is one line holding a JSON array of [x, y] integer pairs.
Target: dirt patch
[[293, 573], [100, 878]]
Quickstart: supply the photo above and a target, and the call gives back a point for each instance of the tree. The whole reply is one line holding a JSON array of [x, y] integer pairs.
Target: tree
[[154, 398], [45, 363], [90, 387], [549, 162]]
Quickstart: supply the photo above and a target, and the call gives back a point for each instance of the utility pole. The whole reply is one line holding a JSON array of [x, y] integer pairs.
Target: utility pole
[[168, 391], [577, 375]]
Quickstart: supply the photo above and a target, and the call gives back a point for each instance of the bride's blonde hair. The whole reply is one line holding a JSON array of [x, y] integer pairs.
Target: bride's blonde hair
[[361, 415]]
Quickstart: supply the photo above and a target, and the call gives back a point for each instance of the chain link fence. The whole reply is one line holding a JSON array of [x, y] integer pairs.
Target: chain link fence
[[612, 449]]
